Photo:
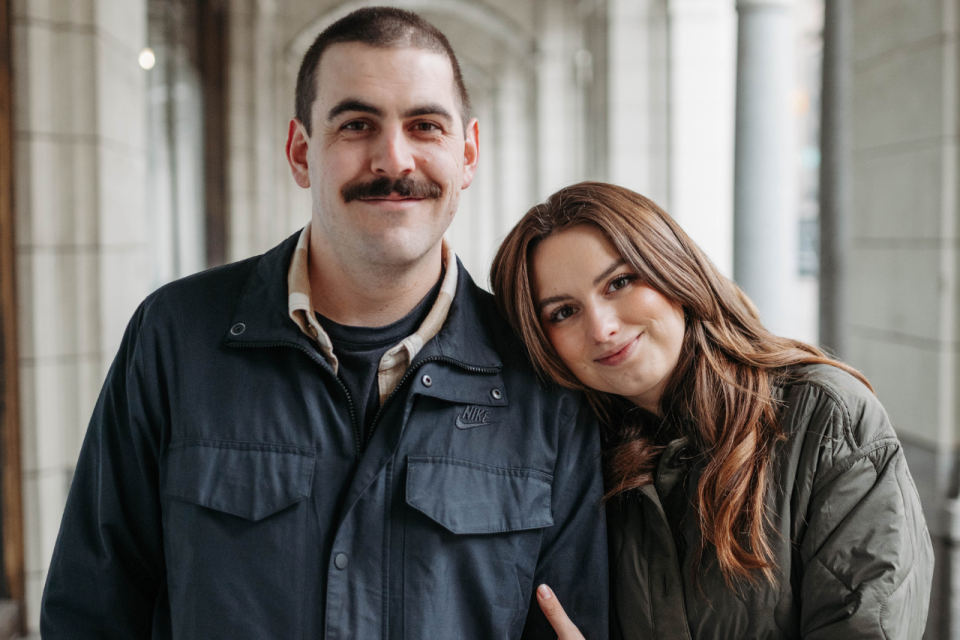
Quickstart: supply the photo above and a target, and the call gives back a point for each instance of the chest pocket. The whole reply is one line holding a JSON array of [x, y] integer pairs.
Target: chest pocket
[[472, 498], [473, 533], [249, 480], [234, 535]]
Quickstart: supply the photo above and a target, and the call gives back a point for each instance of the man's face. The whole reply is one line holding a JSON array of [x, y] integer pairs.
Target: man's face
[[388, 155]]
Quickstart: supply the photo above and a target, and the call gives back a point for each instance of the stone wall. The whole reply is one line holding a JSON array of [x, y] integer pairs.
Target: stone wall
[[79, 145], [903, 265]]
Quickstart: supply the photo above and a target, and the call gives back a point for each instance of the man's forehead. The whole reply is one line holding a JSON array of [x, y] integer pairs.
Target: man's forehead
[[354, 68]]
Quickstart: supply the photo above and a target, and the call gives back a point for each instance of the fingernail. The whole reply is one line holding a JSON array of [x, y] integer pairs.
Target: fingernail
[[544, 592]]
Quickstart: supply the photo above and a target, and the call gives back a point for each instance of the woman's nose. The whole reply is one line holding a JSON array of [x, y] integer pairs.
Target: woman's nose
[[603, 323]]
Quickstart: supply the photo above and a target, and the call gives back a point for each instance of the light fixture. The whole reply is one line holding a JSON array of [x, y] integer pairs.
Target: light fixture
[[147, 58]]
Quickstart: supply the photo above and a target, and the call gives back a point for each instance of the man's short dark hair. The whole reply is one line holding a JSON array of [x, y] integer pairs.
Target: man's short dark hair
[[384, 27]]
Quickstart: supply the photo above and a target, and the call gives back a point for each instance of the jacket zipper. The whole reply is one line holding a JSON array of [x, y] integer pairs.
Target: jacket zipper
[[325, 366]]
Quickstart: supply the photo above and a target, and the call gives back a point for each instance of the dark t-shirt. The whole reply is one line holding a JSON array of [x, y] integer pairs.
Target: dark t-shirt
[[359, 350]]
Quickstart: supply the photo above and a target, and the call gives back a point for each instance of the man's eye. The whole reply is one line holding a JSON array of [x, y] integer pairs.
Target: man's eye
[[427, 126], [620, 282], [355, 126]]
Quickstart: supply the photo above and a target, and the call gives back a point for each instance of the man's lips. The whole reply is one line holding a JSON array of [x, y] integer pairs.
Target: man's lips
[[618, 354], [392, 202]]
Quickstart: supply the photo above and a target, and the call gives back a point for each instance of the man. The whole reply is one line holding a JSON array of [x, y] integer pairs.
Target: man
[[337, 439]]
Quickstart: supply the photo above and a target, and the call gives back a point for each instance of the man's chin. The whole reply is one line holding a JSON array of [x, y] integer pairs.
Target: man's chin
[[399, 250]]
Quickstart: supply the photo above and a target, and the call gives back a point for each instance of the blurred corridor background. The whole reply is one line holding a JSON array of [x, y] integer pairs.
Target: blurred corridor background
[[143, 140]]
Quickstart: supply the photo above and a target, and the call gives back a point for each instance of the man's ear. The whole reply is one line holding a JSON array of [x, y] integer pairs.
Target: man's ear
[[471, 152], [297, 153]]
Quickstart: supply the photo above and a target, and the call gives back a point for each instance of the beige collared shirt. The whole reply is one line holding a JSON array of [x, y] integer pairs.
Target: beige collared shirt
[[396, 360]]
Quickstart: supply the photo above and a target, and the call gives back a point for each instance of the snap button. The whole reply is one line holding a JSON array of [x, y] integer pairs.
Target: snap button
[[340, 562], [238, 328], [426, 380], [496, 394]]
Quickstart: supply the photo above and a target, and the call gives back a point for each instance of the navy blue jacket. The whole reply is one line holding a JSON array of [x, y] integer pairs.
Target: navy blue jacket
[[221, 492]]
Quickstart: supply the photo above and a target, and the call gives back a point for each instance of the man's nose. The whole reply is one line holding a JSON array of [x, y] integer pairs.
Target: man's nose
[[393, 154], [603, 322]]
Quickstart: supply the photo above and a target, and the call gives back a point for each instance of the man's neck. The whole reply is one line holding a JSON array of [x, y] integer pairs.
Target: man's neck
[[365, 295]]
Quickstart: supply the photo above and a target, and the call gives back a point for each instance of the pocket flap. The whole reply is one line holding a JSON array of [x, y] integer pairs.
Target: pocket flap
[[249, 480], [470, 497]]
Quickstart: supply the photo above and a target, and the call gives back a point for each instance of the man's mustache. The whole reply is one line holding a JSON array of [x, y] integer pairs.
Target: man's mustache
[[405, 187]]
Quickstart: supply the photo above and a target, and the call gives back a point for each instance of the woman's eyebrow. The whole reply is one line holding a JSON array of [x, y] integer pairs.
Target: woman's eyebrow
[[546, 301], [600, 278], [613, 267]]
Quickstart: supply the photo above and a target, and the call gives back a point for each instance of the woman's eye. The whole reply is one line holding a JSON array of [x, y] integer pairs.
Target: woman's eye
[[619, 283], [562, 313]]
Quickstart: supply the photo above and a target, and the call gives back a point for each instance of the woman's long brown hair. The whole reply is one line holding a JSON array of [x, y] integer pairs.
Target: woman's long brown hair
[[721, 393]]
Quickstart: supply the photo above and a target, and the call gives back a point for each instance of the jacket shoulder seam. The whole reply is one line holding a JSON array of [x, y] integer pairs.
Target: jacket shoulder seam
[[847, 462], [847, 421], [160, 297]]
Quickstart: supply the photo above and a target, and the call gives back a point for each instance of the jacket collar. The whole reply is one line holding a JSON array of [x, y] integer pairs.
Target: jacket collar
[[262, 315], [467, 335]]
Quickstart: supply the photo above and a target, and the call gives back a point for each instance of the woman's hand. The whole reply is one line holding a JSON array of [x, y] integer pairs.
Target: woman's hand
[[551, 608]]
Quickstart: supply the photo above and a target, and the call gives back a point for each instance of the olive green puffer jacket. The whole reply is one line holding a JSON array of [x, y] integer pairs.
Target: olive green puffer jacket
[[853, 554]]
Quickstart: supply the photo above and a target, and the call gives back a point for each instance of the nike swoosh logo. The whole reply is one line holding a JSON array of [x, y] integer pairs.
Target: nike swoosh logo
[[461, 424], [474, 417]]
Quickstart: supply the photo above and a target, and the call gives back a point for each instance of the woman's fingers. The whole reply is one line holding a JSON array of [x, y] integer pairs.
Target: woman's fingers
[[551, 608]]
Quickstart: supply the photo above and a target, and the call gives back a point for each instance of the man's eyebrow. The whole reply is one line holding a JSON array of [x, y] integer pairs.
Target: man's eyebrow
[[613, 267], [428, 110], [352, 104]]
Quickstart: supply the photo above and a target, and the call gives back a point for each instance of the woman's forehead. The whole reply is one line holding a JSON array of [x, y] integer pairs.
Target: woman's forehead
[[572, 259]]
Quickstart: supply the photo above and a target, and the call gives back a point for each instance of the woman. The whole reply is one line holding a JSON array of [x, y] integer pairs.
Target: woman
[[755, 487]]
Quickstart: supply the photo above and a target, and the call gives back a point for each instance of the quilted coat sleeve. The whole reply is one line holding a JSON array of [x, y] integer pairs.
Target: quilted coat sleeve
[[107, 565], [866, 553]]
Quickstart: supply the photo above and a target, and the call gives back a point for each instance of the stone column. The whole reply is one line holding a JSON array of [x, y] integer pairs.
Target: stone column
[[175, 170], [638, 122], [241, 137], [763, 171], [835, 175], [81, 240], [513, 145], [702, 67], [267, 125], [559, 103]]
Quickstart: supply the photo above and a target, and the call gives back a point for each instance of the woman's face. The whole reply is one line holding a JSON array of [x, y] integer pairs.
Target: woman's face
[[613, 332]]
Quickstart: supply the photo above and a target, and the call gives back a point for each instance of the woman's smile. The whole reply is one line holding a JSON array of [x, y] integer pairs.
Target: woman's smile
[[618, 355], [614, 333]]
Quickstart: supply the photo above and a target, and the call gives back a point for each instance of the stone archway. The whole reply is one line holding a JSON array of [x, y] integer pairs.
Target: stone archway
[[478, 15]]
